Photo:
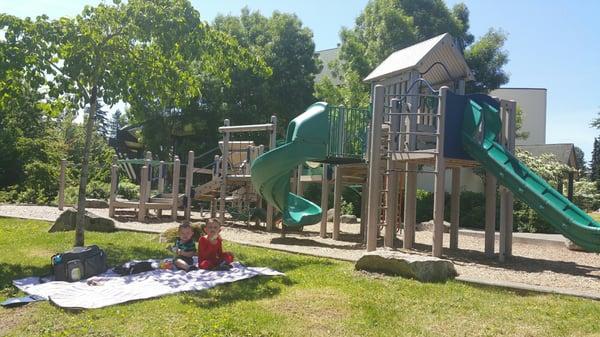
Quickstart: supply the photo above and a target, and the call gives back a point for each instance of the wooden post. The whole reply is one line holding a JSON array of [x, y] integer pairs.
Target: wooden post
[[410, 206], [114, 180], [189, 182], [272, 145], [374, 166], [61, 184], [440, 168], [455, 208], [508, 109], [175, 189], [324, 202], [364, 201], [143, 193], [490, 214], [337, 202], [213, 208], [224, 165], [161, 177], [392, 195], [410, 191], [149, 164], [299, 187]]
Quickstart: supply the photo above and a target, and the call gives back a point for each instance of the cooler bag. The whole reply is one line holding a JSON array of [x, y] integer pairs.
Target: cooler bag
[[79, 263]]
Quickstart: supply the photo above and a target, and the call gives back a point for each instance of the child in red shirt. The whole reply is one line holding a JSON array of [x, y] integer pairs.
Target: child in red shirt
[[210, 250]]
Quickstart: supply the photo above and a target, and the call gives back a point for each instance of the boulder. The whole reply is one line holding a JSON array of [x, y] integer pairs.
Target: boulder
[[330, 213], [422, 268], [428, 226], [96, 203], [348, 218], [573, 246], [67, 220]]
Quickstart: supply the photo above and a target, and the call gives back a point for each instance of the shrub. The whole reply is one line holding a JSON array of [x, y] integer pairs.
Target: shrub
[[585, 195], [347, 207], [128, 190]]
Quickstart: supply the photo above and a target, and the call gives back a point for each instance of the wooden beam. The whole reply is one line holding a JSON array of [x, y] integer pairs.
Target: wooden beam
[[337, 202], [439, 190], [175, 189], [455, 208], [61, 184], [374, 165], [490, 214]]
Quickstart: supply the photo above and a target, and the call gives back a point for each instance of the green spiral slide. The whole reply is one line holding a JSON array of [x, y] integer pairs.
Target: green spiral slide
[[567, 218], [307, 138]]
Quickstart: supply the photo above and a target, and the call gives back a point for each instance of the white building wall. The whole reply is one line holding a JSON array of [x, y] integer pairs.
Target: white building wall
[[532, 101]]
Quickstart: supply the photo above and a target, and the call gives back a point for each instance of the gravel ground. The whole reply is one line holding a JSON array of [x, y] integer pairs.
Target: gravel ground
[[532, 264]]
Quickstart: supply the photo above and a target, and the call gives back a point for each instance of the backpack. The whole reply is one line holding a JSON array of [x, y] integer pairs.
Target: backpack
[[79, 263]]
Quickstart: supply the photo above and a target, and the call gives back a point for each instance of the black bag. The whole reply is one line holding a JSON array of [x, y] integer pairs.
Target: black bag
[[134, 267], [79, 263]]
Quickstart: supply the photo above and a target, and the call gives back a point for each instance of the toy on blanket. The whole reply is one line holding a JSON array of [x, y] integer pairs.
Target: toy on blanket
[[166, 264]]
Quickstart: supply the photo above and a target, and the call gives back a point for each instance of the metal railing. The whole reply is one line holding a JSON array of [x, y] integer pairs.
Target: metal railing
[[348, 135]]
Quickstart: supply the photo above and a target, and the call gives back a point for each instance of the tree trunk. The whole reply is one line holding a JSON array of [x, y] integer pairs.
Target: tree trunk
[[89, 129]]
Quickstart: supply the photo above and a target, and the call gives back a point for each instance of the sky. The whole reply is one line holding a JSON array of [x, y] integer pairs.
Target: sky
[[551, 44]]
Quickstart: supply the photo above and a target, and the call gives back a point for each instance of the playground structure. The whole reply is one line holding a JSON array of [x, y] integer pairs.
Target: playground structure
[[420, 122], [224, 182]]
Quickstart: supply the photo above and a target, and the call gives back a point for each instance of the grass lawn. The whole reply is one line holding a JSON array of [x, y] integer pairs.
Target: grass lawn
[[318, 297]]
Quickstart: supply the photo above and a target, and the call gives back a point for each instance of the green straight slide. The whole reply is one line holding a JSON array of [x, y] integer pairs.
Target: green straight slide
[[567, 218], [307, 138]]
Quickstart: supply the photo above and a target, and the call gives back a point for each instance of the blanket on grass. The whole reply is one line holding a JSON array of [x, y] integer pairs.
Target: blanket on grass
[[110, 288]]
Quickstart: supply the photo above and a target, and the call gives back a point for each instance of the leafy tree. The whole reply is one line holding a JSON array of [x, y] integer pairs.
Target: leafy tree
[[580, 161], [595, 162], [486, 59], [385, 26], [287, 49], [117, 121], [147, 53]]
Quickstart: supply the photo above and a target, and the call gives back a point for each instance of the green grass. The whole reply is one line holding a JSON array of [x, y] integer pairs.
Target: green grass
[[318, 297]]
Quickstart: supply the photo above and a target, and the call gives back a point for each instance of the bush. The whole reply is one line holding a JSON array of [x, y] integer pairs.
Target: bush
[[585, 195], [347, 207], [128, 190]]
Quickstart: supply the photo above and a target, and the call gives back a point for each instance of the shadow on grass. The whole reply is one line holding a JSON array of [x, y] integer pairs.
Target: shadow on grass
[[10, 272], [253, 289]]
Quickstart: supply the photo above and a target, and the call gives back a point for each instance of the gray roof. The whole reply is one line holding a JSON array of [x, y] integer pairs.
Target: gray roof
[[421, 57], [327, 56], [564, 153]]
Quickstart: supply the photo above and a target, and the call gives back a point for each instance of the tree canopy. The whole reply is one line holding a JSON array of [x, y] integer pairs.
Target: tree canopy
[[385, 26]]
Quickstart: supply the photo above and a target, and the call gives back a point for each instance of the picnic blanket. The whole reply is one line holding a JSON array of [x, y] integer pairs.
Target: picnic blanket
[[110, 288]]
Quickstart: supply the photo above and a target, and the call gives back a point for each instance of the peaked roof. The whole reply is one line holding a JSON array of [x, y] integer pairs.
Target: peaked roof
[[564, 153], [421, 57]]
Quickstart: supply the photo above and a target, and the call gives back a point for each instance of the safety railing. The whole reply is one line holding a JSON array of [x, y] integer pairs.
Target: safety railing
[[348, 135]]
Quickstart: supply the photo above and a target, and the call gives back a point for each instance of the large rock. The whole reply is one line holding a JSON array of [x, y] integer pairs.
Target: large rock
[[573, 246], [96, 203], [67, 220], [428, 226], [348, 218], [422, 268]]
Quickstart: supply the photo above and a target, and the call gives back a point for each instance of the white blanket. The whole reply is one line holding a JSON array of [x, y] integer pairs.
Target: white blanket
[[110, 288]]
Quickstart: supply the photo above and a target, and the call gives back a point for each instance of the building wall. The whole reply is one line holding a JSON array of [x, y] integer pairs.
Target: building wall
[[532, 101]]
